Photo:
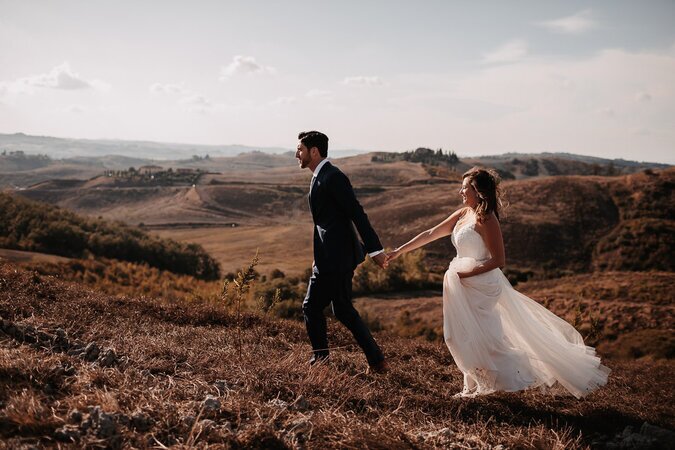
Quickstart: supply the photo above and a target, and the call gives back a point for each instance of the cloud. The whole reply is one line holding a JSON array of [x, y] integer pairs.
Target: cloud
[[363, 81], [169, 88], [60, 77], [609, 112], [643, 97], [509, 52], [197, 103], [283, 101], [195, 99], [319, 94], [189, 100], [578, 23], [244, 65], [76, 109], [593, 113]]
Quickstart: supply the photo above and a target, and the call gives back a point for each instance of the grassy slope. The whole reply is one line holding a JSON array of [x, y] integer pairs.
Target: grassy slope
[[634, 310], [171, 356], [286, 247]]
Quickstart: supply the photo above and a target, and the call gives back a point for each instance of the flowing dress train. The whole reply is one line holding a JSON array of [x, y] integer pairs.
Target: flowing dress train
[[504, 341]]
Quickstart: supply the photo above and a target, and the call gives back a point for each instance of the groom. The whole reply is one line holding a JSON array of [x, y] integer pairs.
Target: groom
[[337, 250]]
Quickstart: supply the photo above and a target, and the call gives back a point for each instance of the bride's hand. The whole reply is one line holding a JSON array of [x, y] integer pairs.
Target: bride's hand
[[392, 255]]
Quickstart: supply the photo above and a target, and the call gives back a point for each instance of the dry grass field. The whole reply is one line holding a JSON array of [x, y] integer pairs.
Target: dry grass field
[[186, 370], [287, 247], [83, 369], [24, 178]]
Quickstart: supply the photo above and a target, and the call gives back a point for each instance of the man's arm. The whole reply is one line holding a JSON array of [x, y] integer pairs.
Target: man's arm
[[342, 192]]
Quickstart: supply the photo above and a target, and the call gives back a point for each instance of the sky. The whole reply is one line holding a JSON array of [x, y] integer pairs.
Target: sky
[[476, 77]]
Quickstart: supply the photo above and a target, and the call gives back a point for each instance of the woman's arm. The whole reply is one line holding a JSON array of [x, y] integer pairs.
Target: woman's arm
[[441, 230], [492, 235]]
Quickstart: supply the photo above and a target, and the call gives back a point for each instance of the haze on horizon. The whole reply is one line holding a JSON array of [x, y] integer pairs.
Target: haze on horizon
[[593, 78]]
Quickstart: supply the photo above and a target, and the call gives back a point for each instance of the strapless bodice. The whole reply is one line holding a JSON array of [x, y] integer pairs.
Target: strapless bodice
[[469, 243]]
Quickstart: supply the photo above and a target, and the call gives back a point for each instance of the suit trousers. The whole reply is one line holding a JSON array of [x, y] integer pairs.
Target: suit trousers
[[335, 288]]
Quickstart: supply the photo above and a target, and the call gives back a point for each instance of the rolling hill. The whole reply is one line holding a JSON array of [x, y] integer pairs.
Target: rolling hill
[[33, 226], [553, 225]]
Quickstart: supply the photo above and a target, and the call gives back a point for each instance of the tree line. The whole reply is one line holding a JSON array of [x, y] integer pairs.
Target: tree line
[[35, 226], [421, 155]]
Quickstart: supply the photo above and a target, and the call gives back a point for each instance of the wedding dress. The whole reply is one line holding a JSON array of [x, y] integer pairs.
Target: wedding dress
[[501, 339]]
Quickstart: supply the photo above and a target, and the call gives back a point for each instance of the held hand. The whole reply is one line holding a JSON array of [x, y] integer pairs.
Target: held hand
[[381, 260], [393, 255], [464, 274]]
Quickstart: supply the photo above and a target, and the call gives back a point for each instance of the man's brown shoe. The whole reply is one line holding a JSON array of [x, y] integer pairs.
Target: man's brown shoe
[[381, 367]]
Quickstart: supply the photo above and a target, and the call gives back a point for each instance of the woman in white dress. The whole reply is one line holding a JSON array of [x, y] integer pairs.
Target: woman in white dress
[[499, 338]]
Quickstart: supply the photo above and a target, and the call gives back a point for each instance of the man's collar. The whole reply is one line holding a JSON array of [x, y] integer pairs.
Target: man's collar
[[317, 169]]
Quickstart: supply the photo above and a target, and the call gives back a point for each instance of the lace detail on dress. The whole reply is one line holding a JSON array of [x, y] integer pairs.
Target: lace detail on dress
[[468, 242]]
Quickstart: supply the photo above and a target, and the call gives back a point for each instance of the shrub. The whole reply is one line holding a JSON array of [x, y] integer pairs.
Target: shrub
[[126, 278], [405, 273]]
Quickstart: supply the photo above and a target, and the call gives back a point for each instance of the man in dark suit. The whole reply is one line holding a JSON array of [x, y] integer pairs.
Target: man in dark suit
[[337, 250]]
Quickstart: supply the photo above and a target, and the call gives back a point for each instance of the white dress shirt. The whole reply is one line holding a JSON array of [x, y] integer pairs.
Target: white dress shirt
[[317, 169]]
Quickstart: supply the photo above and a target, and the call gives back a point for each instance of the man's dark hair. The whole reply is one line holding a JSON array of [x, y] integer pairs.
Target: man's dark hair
[[315, 139]]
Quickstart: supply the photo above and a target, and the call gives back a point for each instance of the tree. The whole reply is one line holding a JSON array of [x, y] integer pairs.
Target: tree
[[453, 159]]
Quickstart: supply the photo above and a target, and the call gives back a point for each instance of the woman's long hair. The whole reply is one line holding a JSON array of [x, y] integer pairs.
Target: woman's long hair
[[486, 183]]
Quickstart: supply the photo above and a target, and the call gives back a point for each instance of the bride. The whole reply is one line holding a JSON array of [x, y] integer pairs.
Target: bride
[[500, 339]]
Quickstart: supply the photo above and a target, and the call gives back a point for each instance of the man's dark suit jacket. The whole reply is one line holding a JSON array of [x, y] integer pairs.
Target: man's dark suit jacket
[[334, 209]]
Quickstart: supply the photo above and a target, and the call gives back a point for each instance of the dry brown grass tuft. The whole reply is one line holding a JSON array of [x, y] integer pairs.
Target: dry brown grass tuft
[[180, 381]]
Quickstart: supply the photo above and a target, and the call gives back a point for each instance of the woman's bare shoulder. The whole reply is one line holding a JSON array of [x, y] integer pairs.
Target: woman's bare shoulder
[[461, 212], [490, 222]]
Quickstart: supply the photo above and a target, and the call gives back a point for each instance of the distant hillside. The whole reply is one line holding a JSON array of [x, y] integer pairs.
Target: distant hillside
[[28, 170], [552, 225], [28, 225], [61, 148], [517, 166], [26, 160], [18, 161], [561, 219], [645, 237], [19, 169]]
